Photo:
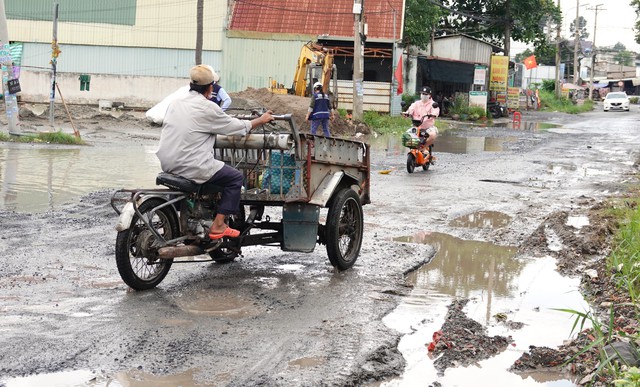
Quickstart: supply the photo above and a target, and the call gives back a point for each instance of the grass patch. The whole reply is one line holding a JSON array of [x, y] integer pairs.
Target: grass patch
[[49, 138], [623, 263], [386, 124], [549, 102]]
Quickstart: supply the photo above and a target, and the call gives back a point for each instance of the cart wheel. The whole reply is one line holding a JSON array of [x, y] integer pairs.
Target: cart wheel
[[411, 163], [344, 229], [138, 270], [224, 255]]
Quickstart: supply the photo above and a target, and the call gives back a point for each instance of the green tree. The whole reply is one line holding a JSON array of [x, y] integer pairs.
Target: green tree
[[519, 58], [624, 58], [619, 47], [582, 33], [636, 4], [499, 21], [421, 20]]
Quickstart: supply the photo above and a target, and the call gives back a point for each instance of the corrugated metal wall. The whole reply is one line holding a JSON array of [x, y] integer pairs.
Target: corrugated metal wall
[[253, 62], [158, 23], [158, 62]]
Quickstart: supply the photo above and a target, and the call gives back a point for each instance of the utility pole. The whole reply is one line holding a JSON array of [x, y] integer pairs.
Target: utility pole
[[358, 54], [394, 61], [54, 64], [10, 101], [558, 57], [199, 27], [576, 40], [593, 49]]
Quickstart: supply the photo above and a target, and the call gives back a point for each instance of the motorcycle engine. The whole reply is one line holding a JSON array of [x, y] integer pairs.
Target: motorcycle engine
[[203, 209]]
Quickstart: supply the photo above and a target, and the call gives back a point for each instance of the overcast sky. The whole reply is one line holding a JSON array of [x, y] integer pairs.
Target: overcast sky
[[616, 19]]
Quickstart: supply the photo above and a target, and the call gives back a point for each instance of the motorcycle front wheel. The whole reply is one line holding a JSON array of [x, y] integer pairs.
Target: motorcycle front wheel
[[411, 163], [136, 265]]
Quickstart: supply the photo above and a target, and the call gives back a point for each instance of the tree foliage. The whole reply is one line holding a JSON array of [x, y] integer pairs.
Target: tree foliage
[[581, 29], [636, 5], [421, 19], [498, 21]]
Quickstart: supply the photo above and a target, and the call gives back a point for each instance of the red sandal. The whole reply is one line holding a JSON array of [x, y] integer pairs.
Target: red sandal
[[228, 232]]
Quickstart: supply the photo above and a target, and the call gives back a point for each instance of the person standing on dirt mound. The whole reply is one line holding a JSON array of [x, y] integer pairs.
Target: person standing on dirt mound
[[426, 108], [320, 110], [188, 135], [219, 95]]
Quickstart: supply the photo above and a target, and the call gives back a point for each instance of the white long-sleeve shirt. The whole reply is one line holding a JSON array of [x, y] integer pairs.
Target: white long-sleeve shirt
[[188, 136]]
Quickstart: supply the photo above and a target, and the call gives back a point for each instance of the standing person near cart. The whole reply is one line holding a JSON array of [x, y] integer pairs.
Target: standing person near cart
[[218, 94], [320, 110]]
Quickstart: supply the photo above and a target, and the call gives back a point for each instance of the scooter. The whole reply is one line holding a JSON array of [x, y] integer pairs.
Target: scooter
[[416, 139]]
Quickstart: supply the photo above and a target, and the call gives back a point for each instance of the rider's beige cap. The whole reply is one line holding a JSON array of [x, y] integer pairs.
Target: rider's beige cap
[[203, 75]]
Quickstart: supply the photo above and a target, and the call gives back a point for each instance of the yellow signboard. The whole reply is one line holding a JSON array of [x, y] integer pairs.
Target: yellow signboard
[[513, 98], [499, 73]]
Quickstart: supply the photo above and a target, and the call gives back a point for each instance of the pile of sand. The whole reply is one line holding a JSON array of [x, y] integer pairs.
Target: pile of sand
[[297, 106]]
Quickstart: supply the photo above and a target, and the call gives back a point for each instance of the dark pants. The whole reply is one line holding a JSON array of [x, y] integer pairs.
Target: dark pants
[[324, 122], [231, 179]]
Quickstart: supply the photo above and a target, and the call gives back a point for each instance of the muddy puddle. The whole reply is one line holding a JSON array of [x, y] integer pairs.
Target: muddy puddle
[[37, 178], [391, 144], [498, 284], [527, 126], [133, 378]]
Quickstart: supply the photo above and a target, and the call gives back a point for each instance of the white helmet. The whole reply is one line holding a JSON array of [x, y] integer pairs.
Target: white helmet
[[317, 85]]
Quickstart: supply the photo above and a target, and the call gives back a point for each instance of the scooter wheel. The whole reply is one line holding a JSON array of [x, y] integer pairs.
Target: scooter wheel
[[411, 163]]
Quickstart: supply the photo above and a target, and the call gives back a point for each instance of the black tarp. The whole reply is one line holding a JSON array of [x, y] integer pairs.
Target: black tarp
[[445, 71]]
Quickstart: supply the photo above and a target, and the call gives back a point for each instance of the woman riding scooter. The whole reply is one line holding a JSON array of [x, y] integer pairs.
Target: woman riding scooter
[[425, 108]]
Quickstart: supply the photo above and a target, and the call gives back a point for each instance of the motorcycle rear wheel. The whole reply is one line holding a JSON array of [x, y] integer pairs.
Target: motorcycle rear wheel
[[411, 163], [136, 270], [224, 255]]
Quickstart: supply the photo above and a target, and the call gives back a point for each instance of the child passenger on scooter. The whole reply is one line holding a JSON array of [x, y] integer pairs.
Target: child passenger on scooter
[[425, 107]]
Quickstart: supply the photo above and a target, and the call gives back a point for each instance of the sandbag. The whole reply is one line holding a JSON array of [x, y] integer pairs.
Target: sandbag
[[156, 113]]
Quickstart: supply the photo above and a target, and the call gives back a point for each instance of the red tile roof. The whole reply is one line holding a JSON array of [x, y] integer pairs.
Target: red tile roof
[[317, 17]]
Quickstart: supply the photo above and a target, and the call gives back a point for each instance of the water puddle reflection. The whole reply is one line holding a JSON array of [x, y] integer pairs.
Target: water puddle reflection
[[528, 126], [525, 290], [482, 219], [38, 178], [391, 144]]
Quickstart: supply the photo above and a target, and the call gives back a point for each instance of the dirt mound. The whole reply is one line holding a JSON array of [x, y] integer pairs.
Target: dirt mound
[[297, 106]]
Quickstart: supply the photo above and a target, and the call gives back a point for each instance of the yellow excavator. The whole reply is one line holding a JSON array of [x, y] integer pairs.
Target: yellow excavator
[[315, 64]]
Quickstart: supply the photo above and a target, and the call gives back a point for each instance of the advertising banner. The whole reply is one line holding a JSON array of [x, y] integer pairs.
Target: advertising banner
[[499, 73]]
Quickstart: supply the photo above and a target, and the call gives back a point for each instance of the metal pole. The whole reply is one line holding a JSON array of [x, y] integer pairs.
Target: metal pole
[[593, 50], [54, 61], [576, 41], [558, 57], [358, 53], [10, 101]]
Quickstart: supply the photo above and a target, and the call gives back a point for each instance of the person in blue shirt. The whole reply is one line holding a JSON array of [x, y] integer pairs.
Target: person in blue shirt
[[219, 95], [320, 110]]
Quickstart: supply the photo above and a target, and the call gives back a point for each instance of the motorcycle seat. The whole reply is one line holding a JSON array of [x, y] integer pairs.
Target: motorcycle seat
[[186, 185]]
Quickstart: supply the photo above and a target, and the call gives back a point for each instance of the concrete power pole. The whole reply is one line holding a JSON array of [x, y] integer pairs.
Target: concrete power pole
[[576, 41], [358, 54], [10, 101], [558, 57], [593, 49], [199, 26]]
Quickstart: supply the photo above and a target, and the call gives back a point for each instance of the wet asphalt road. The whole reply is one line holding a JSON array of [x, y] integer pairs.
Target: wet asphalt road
[[275, 318]]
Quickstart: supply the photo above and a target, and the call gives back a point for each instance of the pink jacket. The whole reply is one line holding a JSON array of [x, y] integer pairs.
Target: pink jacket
[[419, 109]]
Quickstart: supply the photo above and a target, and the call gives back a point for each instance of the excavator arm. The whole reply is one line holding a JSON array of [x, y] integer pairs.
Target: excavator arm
[[313, 55]]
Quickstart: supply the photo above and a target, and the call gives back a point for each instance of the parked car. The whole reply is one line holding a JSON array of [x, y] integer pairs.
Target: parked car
[[616, 100]]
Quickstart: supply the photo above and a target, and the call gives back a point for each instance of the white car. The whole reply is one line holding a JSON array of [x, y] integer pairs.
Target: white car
[[617, 100]]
